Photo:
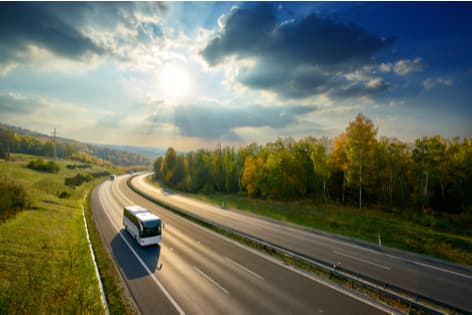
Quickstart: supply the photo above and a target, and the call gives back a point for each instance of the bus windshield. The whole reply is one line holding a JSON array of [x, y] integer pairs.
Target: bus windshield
[[151, 228]]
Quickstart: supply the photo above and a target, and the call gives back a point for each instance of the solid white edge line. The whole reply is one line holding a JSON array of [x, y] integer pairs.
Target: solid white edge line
[[210, 279], [97, 272], [244, 268], [362, 260], [167, 294]]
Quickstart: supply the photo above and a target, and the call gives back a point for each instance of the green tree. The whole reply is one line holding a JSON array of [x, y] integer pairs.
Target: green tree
[[248, 179], [360, 150], [339, 159], [168, 166], [321, 165]]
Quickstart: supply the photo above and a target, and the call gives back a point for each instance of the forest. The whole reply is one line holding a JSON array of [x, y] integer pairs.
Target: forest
[[19, 140], [357, 168]]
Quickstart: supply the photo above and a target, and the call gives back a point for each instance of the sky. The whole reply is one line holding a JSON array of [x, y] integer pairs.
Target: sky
[[194, 74]]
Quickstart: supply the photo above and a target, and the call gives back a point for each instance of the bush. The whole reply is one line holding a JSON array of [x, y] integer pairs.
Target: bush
[[64, 195], [77, 180], [13, 197], [43, 166], [74, 166], [100, 174]]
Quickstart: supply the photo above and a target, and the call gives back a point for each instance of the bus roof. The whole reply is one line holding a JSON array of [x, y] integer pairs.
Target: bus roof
[[147, 216], [142, 213], [136, 209]]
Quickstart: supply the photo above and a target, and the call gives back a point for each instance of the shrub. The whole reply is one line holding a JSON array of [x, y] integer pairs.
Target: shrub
[[43, 166], [100, 174], [77, 180], [74, 166], [13, 197], [64, 195]]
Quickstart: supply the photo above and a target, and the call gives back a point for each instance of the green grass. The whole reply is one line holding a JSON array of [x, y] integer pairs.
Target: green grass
[[118, 302], [45, 263], [447, 238]]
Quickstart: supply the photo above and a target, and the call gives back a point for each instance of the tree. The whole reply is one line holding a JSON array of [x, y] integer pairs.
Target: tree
[[392, 161], [157, 167], [248, 179], [434, 167], [168, 165], [321, 165], [339, 158], [360, 149]]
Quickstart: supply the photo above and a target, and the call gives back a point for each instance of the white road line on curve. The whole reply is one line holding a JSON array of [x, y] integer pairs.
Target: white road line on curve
[[362, 260], [167, 294], [211, 280], [244, 268]]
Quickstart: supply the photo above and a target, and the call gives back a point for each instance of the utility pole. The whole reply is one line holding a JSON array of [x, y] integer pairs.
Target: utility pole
[[54, 141]]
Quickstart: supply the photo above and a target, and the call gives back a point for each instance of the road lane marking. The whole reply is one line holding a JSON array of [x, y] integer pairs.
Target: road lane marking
[[167, 294], [437, 268], [244, 268], [363, 260], [211, 280]]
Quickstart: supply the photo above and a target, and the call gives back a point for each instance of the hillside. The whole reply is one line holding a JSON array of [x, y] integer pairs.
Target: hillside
[[45, 264], [20, 140]]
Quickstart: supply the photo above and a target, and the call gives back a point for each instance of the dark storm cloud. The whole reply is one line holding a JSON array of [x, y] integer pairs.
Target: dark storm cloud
[[23, 24], [213, 121], [60, 27], [293, 82], [247, 32], [295, 58]]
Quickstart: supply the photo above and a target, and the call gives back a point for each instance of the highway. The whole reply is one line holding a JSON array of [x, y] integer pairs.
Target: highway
[[196, 271], [445, 282]]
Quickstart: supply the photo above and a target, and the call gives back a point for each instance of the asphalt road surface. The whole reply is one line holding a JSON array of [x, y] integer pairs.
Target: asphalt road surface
[[445, 282], [196, 271]]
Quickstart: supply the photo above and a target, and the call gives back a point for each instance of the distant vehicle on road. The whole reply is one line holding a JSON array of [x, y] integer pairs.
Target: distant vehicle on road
[[144, 226], [112, 177]]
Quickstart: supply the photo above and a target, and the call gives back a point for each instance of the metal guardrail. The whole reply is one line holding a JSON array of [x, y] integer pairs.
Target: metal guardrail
[[418, 301]]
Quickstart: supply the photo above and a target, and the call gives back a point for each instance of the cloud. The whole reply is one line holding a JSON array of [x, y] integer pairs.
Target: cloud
[[296, 82], [430, 83], [403, 67], [361, 88], [394, 103], [212, 120], [75, 31], [23, 25], [313, 40], [17, 104], [296, 58]]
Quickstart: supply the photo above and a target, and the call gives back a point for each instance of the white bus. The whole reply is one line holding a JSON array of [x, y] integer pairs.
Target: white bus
[[144, 226]]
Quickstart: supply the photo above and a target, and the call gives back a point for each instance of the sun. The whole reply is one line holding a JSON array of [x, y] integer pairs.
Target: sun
[[174, 82]]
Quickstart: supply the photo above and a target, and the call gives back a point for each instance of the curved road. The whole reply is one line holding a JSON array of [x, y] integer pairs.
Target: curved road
[[196, 271], [445, 282]]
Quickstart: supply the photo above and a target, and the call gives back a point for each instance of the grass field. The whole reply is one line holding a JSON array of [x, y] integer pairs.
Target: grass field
[[45, 263], [448, 238]]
